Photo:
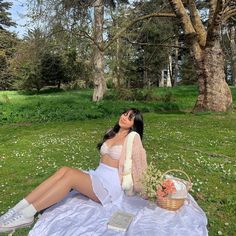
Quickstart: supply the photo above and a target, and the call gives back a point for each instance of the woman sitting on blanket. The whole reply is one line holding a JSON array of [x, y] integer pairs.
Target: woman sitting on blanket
[[103, 185]]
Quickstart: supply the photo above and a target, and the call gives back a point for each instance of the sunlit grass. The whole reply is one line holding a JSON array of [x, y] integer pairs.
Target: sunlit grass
[[44, 132], [201, 145]]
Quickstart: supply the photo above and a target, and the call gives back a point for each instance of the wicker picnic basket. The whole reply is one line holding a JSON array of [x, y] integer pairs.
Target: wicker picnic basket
[[169, 202]]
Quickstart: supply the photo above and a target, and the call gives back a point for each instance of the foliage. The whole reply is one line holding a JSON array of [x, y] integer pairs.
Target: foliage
[[52, 69], [140, 95], [40, 62], [5, 16], [154, 39], [77, 70], [8, 42], [137, 58], [27, 62], [187, 71]]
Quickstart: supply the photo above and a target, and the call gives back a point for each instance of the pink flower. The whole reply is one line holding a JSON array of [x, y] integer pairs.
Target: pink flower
[[167, 187]]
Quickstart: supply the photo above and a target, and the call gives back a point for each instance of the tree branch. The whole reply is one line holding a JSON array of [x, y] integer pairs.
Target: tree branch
[[227, 3], [134, 22], [190, 33], [213, 32], [197, 23], [212, 7], [153, 44], [181, 13], [85, 34], [229, 14]]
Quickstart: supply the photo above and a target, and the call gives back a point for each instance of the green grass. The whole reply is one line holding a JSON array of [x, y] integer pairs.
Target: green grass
[[78, 105], [203, 145]]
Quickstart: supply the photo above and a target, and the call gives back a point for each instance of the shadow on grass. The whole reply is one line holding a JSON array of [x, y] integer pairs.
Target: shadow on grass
[[43, 91]]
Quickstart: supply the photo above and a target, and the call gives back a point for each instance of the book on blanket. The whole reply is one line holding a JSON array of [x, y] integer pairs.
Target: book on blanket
[[120, 220]]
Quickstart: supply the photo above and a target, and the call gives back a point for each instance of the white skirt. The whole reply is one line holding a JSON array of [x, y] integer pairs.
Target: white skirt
[[106, 184]]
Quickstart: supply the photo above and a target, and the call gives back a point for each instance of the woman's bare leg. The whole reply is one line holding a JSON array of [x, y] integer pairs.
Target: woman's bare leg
[[46, 185], [72, 178], [53, 190]]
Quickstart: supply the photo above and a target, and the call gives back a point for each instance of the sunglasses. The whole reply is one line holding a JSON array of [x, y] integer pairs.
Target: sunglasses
[[131, 115]]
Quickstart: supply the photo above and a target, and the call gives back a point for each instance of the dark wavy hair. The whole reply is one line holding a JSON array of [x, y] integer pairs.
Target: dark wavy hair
[[137, 127]]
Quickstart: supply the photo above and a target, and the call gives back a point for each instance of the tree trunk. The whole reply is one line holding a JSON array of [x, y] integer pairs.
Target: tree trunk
[[214, 93], [118, 69], [176, 70], [145, 73], [169, 73], [162, 80], [233, 66], [98, 55], [233, 53], [234, 70]]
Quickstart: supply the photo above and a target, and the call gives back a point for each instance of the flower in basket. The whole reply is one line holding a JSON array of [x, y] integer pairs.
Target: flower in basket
[[167, 191], [154, 185], [165, 188]]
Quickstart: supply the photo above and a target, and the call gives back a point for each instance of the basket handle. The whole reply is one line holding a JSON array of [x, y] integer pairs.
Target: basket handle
[[188, 185]]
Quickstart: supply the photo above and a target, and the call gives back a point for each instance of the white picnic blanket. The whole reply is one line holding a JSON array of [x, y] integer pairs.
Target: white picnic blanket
[[76, 215]]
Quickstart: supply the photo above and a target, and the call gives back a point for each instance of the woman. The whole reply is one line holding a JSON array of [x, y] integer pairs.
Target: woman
[[102, 185]]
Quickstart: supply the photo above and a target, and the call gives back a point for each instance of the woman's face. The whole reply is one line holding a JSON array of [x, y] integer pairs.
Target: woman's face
[[126, 120]]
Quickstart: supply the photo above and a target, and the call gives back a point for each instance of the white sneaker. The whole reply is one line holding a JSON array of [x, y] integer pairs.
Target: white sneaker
[[16, 221], [7, 215]]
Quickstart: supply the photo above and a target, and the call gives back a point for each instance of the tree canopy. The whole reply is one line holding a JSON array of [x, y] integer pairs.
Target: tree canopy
[[128, 45], [5, 16]]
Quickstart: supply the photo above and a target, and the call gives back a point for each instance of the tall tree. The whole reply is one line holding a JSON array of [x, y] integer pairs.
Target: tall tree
[[27, 61], [8, 42], [74, 14], [98, 54], [204, 42], [5, 16]]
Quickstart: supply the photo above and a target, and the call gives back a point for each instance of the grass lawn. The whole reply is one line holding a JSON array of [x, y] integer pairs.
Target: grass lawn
[[77, 105], [203, 145]]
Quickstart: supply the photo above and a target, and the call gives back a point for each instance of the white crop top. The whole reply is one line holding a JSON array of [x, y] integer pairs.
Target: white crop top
[[114, 151]]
